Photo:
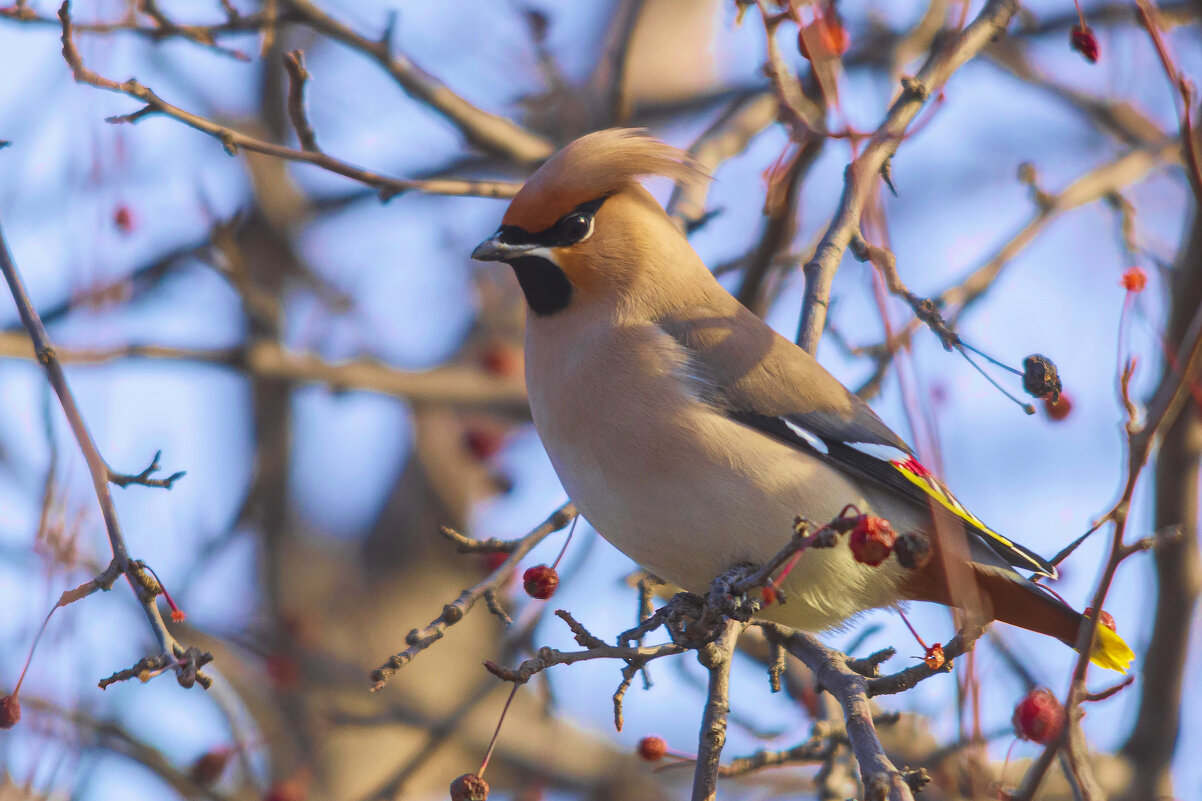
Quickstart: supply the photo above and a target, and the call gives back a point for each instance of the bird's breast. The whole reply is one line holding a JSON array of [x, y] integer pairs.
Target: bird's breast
[[677, 486]]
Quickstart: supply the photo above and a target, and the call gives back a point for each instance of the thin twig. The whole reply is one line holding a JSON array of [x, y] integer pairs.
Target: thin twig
[[97, 467], [298, 76], [233, 140], [421, 639], [489, 132], [163, 29], [1148, 17], [881, 779], [1164, 405], [861, 173]]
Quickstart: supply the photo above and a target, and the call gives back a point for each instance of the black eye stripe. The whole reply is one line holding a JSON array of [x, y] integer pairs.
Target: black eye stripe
[[563, 232]]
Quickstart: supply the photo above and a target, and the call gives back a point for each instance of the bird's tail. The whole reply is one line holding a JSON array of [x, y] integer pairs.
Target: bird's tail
[[1110, 652], [1021, 603]]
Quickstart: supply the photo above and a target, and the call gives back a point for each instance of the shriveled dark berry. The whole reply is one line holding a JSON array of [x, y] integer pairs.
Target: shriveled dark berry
[[1040, 378], [469, 787], [10, 711], [913, 550]]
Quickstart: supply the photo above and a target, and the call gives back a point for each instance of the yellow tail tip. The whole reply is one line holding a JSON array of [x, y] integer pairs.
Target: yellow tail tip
[[1110, 652]]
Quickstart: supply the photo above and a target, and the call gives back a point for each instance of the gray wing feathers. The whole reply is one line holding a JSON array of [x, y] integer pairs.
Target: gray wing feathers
[[748, 367]]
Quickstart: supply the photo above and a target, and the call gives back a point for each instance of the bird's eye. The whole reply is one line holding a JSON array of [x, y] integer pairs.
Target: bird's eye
[[577, 227]]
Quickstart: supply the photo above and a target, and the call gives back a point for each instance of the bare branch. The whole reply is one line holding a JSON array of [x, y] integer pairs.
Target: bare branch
[[421, 639], [163, 29], [232, 140], [881, 779], [546, 658], [144, 479], [716, 657], [456, 386], [862, 173], [97, 466], [298, 76], [489, 132]]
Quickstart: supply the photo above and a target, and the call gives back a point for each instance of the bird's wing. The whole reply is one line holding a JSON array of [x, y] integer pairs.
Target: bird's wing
[[755, 376]]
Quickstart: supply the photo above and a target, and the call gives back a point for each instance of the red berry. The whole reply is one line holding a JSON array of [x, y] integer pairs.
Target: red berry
[[833, 36], [934, 657], [469, 787], [801, 44], [540, 582], [503, 360], [1134, 279], [10, 711], [1084, 42], [1105, 618], [871, 540], [535, 793], [284, 671], [652, 749], [483, 443], [206, 770], [494, 559], [1058, 409], [1038, 717], [288, 790], [809, 699], [123, 218]]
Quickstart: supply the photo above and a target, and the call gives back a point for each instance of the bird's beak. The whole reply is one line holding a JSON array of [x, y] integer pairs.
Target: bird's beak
[[493, 249]]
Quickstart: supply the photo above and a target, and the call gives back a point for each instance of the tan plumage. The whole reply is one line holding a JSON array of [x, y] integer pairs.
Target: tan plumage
[[691, 435], [598, 164]]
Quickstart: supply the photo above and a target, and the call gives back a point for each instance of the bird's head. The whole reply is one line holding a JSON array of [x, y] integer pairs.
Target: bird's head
[[583, 226]]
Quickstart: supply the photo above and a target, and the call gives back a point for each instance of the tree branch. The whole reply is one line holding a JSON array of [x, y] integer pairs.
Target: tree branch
[[98, 468], [489, 132], [421, 639], [831, 670], [862, 173], [461, 387], [716, 657], [232, 140]]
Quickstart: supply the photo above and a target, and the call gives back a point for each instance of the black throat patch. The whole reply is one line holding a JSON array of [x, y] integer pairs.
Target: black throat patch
[[545, 286]]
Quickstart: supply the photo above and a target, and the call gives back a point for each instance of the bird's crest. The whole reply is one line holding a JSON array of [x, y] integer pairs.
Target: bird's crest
[[592, 167]]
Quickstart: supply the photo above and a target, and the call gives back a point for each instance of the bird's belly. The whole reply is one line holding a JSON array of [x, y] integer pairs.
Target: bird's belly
[[691, 499]]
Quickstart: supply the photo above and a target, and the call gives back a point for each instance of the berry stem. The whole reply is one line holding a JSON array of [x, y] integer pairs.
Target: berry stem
[[32, 648], [1006, 762], [177, 615], [991, 360], [913, 631], [1026, 407], [564, 549], [497, 732], [1128, 302], [1080, 13]]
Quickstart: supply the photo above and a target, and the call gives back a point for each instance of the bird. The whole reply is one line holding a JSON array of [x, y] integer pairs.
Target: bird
[[691, 435]]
